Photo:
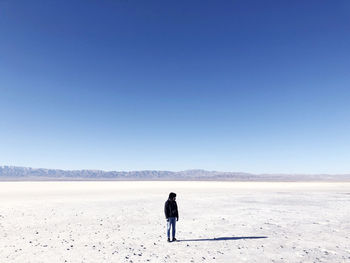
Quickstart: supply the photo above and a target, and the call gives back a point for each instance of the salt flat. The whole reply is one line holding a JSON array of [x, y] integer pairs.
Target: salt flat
[[219, 222]]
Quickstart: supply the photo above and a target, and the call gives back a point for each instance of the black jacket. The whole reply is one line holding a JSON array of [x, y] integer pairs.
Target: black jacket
[[170, 209]]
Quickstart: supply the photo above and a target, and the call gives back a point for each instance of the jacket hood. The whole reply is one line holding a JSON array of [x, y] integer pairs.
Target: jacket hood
[[171, 196]]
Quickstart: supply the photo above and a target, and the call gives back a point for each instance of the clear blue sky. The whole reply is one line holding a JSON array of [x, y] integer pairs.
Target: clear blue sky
[[254, 86]]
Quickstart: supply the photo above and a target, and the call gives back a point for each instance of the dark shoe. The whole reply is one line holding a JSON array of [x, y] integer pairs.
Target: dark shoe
[[174, 239], [168, 239]]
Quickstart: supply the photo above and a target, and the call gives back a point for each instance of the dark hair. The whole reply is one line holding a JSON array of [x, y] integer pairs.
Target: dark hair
[[172, 195]]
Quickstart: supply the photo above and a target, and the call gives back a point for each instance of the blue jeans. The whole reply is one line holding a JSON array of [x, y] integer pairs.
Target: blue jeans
[[171, 223]]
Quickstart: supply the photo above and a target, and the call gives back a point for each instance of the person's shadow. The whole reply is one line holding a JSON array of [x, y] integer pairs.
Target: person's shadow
[[220, 238]]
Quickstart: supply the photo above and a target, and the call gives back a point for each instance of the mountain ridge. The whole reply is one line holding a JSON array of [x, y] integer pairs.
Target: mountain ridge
[[18, 173]]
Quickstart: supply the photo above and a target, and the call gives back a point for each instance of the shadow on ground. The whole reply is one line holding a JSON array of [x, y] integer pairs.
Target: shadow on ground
[[219, 239]]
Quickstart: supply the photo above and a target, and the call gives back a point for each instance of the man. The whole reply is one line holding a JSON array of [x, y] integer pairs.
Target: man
[[171, 214]]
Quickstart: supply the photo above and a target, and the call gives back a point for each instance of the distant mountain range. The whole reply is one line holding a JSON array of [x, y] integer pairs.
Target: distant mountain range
[[14, 173]]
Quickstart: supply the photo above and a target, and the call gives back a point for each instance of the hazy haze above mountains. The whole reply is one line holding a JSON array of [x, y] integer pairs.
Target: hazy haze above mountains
[[10, 173]]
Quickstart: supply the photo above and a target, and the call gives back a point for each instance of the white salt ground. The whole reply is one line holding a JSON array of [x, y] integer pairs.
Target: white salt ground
[[219, 222]]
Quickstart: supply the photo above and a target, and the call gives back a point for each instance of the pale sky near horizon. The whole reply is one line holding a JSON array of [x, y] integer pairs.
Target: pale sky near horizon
[[249, 86]]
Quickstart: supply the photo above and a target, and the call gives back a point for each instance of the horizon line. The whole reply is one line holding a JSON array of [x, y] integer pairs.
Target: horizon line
[[172, 171]]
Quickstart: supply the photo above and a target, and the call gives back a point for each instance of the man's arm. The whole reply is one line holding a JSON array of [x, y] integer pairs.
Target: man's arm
[[177, 212], [166, 210]]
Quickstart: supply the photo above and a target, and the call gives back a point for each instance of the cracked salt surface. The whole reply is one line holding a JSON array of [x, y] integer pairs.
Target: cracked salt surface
[[219, 222]]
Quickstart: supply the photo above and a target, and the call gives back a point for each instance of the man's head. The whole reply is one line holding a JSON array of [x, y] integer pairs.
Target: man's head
[[172, 196]]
